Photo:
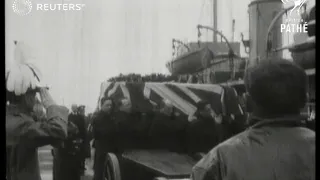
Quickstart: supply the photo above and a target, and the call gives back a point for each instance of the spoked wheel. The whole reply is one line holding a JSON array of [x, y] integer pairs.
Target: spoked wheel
[[112, 170], [160, 178]]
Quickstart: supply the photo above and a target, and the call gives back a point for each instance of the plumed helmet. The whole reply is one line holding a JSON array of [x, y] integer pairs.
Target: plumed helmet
[[21, 75]]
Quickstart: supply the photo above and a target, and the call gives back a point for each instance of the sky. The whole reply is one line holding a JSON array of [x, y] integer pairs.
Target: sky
[[77, 50]]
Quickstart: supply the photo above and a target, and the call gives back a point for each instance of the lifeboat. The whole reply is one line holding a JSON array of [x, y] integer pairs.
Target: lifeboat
[[197, 61], [190, 62]]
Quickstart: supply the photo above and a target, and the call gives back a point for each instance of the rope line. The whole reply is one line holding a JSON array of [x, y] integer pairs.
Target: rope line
[[200, 15]]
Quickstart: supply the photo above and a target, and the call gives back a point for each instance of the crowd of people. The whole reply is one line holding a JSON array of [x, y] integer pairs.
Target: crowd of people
[[275, 144]]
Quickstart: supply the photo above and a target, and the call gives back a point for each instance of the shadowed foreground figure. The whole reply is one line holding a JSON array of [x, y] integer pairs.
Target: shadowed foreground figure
[[167, 129], [103, 127], [276, 146], [85, 147], [205, 130], [68, 157]]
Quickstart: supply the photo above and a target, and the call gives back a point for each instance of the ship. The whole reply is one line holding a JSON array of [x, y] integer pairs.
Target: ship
[[265, 40], [211, 62]]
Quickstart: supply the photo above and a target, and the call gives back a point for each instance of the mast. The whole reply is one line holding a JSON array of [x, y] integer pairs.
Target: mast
[[230, 4], [233, 28], [215, 19]]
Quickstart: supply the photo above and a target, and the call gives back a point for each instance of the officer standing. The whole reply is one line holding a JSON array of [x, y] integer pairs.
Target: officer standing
[[103, 134], [78, 118], [85, 147], [67, 163]]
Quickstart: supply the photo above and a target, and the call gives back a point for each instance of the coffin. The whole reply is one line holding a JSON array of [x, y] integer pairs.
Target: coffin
[[145, 97], [145, 127]]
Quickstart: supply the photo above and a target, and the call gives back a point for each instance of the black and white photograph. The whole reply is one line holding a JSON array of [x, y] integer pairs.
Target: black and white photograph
[[160, 89]]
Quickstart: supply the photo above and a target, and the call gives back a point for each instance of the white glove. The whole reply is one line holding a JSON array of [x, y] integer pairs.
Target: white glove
[[46, 98]]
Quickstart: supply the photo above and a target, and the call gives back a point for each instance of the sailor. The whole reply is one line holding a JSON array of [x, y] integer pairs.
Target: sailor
[[167, 129], [69, 156], [103, 134], [204, 125], [85, 147]]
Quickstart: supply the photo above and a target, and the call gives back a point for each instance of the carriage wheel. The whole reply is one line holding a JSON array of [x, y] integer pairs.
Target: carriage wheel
[[112, 167], [160, 178]]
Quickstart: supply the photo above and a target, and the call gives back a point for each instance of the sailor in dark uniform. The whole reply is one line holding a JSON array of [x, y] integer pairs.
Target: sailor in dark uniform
[[68, 155], [103, 127], [85, 147]]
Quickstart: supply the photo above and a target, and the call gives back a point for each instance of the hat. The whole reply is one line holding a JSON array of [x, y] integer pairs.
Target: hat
[[21, 75]]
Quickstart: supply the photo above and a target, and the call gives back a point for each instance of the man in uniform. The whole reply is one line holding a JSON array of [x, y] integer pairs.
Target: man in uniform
[[103, 134], [24, 134], [70, 154], [85, 148], [204, 129]]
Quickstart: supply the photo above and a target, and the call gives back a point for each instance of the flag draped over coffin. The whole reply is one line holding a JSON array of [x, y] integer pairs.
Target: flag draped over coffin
[[143, 97], [135, 131]]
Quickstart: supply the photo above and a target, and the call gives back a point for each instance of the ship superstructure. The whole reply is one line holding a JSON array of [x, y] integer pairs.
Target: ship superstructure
[[221, 63]]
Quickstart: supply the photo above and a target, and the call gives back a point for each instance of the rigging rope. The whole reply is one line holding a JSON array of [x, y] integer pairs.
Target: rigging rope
[[200, 16]]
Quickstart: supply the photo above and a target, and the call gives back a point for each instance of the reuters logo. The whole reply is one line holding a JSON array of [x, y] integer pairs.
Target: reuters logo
[[22, 7]]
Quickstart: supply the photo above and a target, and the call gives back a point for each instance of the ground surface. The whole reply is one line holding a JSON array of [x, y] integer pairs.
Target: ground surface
[[45, 160]]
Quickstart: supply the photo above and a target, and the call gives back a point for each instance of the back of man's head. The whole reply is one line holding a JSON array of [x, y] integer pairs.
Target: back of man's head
[[82, 109], [74, 108], [277, 86]]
